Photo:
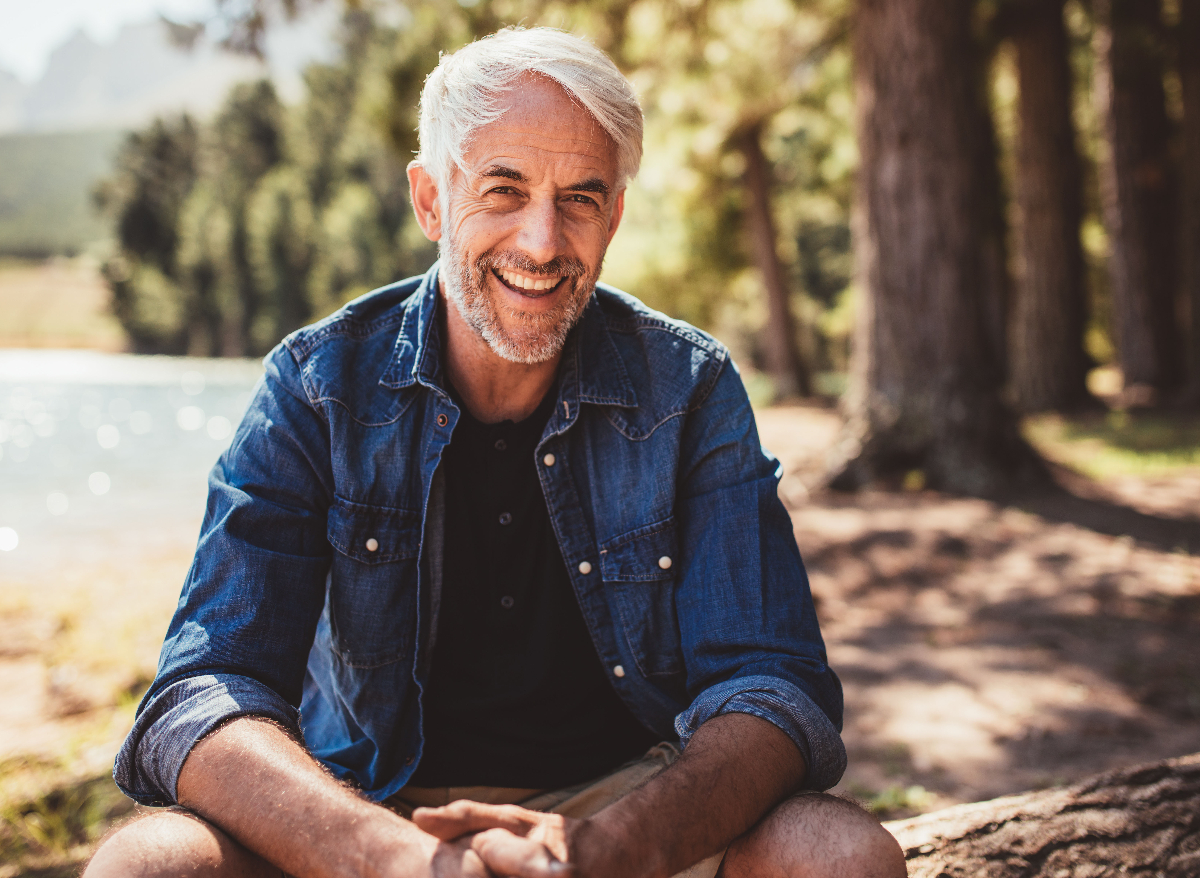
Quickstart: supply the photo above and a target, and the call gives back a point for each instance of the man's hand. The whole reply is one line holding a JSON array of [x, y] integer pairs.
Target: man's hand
[[509, 840], [735, 768]]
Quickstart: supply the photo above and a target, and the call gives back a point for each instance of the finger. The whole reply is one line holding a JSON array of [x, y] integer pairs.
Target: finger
[[464, 816], [506, 854], [458, 860]]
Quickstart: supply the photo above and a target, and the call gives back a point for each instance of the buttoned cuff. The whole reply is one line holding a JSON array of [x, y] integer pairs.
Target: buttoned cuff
[[167, 728], [783, 704]]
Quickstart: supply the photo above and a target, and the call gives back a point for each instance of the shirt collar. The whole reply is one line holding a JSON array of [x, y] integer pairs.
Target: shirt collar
[[593, 370]]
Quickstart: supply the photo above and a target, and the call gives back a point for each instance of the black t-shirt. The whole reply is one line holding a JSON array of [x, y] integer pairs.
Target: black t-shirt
[[517, 696]]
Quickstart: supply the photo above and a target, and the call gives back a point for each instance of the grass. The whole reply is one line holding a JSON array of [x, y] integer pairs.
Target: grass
[[46, 183], [1105, 445], [53, 834]]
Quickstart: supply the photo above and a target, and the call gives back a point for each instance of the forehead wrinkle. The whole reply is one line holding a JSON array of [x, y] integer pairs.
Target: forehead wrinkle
[[530, 168], [531, 140]]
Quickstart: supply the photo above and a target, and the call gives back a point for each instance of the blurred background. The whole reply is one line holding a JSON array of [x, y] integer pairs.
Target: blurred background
[[184, 182]]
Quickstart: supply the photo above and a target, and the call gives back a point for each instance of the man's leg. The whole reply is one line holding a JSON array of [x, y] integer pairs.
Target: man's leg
[[815, 834], [175, 842]]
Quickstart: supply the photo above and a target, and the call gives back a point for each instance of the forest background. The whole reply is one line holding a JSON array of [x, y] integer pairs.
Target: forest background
[[1031, 193]]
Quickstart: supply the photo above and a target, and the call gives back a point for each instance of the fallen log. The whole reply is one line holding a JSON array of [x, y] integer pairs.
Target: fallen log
[[1143, 821]]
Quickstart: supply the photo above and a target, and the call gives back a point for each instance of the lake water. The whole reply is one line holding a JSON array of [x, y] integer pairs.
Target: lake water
[[95, 445]]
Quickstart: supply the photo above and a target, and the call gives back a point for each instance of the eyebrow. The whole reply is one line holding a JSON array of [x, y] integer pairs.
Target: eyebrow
[[505, 172], [592, 184]]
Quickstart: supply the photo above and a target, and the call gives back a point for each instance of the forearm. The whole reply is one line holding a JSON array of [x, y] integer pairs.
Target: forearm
[[252, 780], [735, 768]]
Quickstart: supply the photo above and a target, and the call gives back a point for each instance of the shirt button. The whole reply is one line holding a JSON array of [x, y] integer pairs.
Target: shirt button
[[372, 544], [506, 518], [501, 445], [442, 420], [507, 602], [619, 671], [664, 562], [585, 567], [548, 460]]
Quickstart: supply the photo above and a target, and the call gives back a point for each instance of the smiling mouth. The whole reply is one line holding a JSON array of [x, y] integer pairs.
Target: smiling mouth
[[527, 286]]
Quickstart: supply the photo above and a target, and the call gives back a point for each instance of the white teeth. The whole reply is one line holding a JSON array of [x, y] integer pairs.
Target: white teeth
[[523, 283]]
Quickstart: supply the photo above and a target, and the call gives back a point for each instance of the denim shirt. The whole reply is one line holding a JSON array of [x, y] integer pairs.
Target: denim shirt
[[314, 592]]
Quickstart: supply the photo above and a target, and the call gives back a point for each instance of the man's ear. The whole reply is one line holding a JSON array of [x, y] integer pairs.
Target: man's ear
[[618, 212], [426, 205]]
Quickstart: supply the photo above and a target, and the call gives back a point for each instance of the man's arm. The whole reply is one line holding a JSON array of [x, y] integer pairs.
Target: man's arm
[[252, 780], [734, 770]]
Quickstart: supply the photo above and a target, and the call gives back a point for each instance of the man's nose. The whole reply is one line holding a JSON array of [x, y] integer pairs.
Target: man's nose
[[541, 230]]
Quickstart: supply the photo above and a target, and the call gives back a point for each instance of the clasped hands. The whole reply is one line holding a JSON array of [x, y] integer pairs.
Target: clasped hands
[[500, 840]]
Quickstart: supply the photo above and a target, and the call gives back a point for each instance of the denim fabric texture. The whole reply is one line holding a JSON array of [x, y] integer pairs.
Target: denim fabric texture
[[313, 594]]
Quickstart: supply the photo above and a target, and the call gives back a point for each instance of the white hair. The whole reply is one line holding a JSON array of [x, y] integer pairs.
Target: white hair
[[463, 93]]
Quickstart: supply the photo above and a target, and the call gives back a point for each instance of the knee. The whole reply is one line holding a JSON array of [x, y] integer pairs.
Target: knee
[[173, 843], [816, 834]]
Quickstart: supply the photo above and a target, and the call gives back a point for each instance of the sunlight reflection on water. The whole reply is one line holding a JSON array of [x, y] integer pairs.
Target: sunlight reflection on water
[[91, 442]]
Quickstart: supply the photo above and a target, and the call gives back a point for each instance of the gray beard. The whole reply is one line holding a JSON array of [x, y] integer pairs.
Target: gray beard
[[534, 338]]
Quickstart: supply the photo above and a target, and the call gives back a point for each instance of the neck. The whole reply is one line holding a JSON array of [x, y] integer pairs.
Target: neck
[[493, 389]]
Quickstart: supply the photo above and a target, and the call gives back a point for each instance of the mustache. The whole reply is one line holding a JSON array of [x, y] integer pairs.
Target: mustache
[[567, 266]]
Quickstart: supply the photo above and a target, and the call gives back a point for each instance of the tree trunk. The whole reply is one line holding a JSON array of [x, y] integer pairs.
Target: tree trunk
[[1138, 198], [925, 382], [1143, 821], [784, 363], [1049, 366], [1189, 76], [995, 283]]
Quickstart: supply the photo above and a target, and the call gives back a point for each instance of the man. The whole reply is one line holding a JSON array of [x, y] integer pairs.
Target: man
[[496, 532]]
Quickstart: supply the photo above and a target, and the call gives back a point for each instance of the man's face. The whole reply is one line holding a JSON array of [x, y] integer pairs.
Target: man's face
[[529, 220]]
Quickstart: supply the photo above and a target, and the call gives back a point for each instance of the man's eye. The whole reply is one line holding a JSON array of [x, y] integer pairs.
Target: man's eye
[[582, 199]]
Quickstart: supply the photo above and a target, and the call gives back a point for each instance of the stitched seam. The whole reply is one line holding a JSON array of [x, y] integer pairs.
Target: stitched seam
[[357, 420], [630, 536], [650, 433], [712, 382]]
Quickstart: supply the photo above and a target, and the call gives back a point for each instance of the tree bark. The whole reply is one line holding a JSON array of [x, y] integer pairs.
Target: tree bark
[[1137, 188], [1143, 821], [925, 382], [784, 363], [1189, 76], [1048, 363]]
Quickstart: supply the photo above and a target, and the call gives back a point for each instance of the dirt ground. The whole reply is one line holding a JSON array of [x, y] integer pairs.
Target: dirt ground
[[56, 303], [988, 649], [984, 649]]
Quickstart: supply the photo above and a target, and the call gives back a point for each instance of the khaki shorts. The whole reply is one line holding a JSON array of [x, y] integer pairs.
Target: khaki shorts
[[578, 801]]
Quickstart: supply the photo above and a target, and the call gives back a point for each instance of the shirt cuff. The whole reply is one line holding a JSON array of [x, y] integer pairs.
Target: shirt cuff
[[169, 725], [783, 704]]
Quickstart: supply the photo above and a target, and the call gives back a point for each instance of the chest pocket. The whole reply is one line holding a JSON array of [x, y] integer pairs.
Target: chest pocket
[[373, 582], [638, 569]]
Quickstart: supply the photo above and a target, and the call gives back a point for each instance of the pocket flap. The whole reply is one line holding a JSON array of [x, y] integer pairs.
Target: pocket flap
[[373, 534], [644, 554]]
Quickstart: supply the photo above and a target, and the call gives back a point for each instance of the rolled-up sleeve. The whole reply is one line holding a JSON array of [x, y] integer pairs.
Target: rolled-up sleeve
[[180, 715], [240, 638], [787, 707], [747, 619]]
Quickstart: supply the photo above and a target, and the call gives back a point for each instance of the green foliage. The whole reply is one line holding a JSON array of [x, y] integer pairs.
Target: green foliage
[[292, 211], [44, 185], [279, 215]]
